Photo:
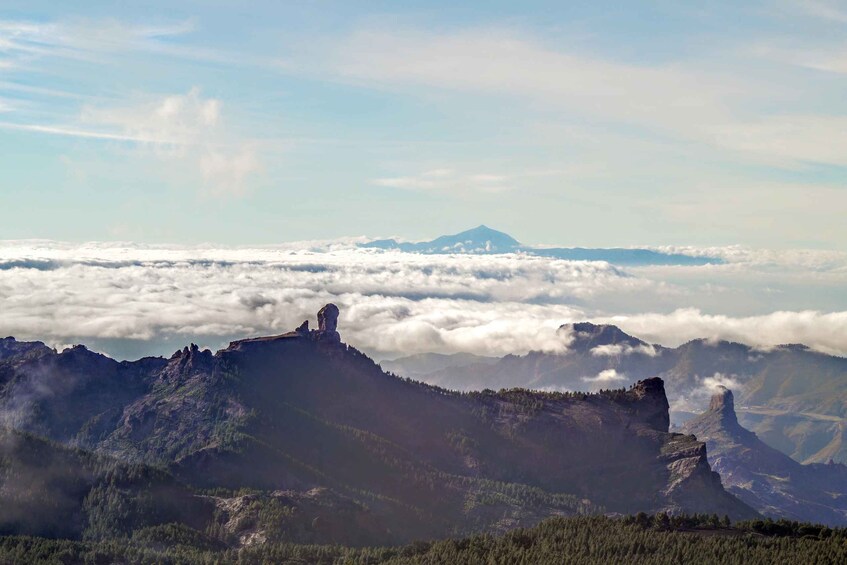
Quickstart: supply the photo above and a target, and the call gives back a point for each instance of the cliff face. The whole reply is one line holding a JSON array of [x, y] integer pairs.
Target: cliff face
[[768, 480], [304, 411]]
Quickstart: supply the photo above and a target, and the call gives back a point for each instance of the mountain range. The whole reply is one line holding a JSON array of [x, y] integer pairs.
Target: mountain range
[[484, 240], [300, 437], [793, 397]]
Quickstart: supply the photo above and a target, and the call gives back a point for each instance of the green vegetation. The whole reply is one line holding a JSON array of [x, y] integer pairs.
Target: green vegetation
[[633, 539]]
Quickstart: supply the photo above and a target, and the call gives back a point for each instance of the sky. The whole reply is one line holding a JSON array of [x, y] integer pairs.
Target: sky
[[572, 123], [175, 172]]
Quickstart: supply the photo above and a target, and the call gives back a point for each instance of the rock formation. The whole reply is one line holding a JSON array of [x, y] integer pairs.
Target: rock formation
[[723, 402], [328, 322], [767, 479], [653, 403]]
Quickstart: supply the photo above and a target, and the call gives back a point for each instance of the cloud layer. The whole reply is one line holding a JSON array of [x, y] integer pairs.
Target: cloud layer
[[158, 297]]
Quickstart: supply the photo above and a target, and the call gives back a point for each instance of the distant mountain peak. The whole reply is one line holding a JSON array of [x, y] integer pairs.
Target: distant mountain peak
[[484, 233], [588, 335], [485, 240], [478, 240]]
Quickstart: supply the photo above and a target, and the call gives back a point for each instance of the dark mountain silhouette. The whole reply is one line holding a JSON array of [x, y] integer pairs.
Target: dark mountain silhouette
[[312, 425], [765, 478], [794, 398], [484, 240]]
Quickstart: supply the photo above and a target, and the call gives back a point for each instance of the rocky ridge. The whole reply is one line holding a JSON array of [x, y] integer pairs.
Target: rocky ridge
[[303, 411]]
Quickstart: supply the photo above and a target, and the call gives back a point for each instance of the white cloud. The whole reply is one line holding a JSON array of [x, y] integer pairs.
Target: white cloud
[[442, 180], [623, 349], [183, 128], [391, 302], [788, 140], [606, 376], [823, 331], [824, 10], [712, 384], [170, 122], [85, 39], [501, 61], [227, 173], [696, 399], [722, 106], [187, 128]]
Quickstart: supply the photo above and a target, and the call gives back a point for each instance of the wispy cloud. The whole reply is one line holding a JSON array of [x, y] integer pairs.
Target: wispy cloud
[[83, 39], [605, 377], [829, 11], [76, 132], [502, 62], [175, 120], [715, 107], [185, 127], [437, 180], [788, 140], [623, 349], [821, 330]]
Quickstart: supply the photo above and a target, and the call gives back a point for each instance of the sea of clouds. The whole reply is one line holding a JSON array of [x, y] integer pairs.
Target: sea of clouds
[[130, 300]]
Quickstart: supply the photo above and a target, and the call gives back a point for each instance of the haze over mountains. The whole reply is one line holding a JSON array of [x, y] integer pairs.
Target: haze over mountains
[[793, 397]]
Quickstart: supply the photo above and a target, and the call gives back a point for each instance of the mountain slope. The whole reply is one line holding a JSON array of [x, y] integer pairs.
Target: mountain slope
[[793, 397], [765, 478], [50, 490], [303, 410]]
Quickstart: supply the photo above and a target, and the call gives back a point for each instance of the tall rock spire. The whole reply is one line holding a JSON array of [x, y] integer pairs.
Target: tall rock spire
[[723, 403], [328, 322]]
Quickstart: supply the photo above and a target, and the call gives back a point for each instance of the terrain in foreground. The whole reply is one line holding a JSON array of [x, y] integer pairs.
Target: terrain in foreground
[[640, 539]]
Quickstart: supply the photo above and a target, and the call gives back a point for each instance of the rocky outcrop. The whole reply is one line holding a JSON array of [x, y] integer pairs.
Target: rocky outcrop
[[767, 479], [328, 323], [316, 516], [587, 336], [652, 403], [10, 347], [188, 361], [692, 485], [722, 403]]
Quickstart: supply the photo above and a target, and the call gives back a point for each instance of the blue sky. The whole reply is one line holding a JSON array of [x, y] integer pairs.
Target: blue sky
[[581, 123]]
